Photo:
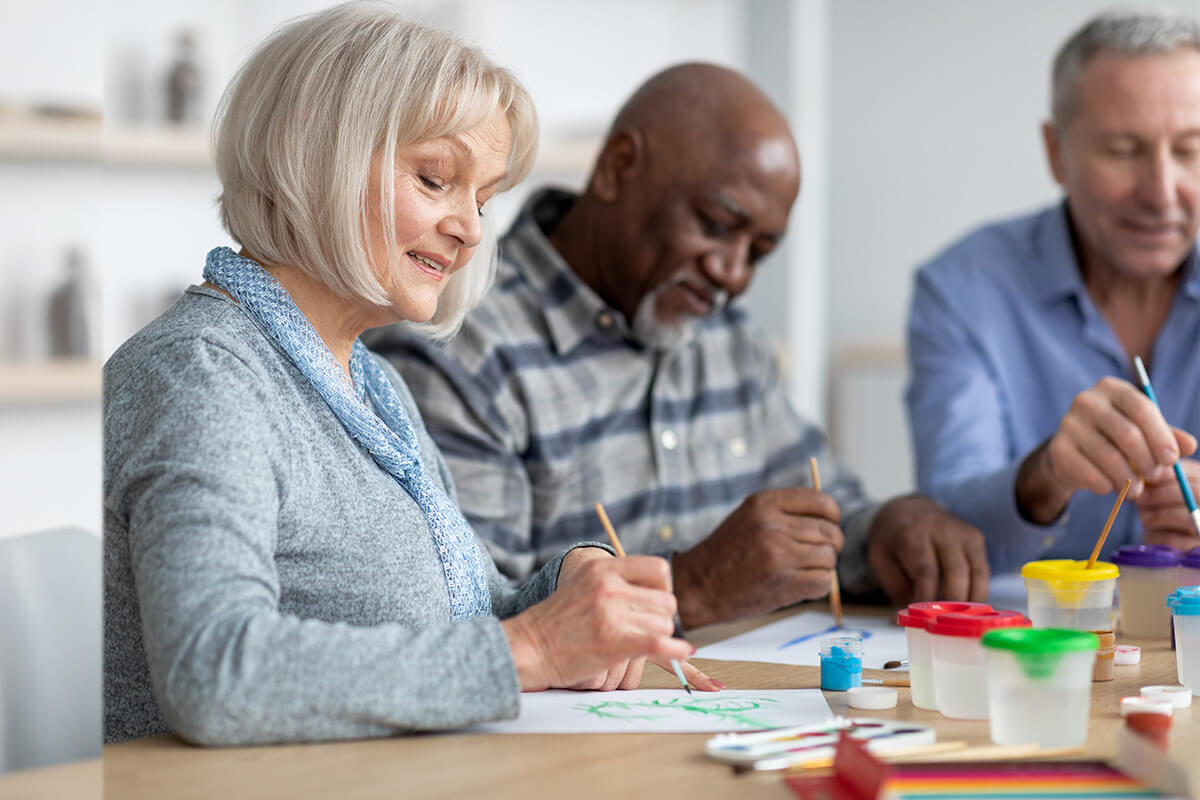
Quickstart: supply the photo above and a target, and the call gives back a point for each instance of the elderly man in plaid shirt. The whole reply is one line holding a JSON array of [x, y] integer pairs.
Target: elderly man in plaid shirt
[[606, 365]]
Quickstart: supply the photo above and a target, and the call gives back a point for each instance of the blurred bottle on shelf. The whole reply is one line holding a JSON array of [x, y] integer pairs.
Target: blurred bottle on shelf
[[70, 319], [184, 81]]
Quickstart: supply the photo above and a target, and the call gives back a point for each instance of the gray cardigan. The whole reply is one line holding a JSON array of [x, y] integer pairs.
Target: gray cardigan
[[264, 579]]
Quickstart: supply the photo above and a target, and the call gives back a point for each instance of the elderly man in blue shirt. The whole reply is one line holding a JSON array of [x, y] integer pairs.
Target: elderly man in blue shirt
[[1024, 405]]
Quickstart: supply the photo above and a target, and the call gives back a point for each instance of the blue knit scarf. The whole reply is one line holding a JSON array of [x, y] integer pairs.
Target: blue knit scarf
[[389, 436]]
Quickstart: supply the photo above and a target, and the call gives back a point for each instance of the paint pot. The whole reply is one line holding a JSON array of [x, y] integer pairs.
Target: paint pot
[[1039, 685], [1155, 727], [1062, 593], [1180, 696], [959, 669], [1189, 568], [915, 620], [841, 662], [1105, 656], [1126, 655], [1149, 572], [1184, 603], [872, 698]]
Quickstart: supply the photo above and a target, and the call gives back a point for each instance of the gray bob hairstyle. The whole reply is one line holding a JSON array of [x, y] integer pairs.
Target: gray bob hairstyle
[[321, 100], [1131, 32]]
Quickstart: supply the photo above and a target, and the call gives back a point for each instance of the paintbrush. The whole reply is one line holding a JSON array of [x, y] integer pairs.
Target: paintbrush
[[835, 592], [1189, 499], [1112, 515], [616, 543]]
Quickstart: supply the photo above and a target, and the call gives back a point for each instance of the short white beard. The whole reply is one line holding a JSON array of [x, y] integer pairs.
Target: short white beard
[[655, 334]]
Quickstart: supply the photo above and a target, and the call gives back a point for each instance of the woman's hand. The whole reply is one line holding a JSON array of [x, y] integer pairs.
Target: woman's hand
[[606, 616]]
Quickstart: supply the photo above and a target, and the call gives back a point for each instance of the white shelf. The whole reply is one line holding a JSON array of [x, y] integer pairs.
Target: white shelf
[[30, 138], [49, 382], [27, 137]]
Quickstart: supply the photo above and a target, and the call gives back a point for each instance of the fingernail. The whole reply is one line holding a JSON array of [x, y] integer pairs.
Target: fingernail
[[693, 651], [717, 683], [1169, 456]]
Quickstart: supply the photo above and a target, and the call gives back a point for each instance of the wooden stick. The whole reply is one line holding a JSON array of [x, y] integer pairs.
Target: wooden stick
[[915, 752], [955, 751], [1112, 515], [608, 528], [835, 591]]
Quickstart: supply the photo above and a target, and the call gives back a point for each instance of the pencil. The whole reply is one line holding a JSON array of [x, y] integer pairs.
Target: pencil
[[616, 543], [1189, 499], [1112, 515], [835, 591]]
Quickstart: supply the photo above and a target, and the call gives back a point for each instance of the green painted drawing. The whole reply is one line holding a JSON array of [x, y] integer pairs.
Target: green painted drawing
[[737, 711]]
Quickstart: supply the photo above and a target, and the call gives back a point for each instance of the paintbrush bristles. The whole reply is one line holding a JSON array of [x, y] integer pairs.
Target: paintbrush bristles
[[1112, 515], [835, 591], [608, 528]]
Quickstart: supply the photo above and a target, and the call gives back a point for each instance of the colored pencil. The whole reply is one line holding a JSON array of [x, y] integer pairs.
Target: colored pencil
[[835, 591], [616, 543], [1189, 498]]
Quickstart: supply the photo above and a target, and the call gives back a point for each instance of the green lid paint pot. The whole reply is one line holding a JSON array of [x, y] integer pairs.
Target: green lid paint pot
[[1039, 684]]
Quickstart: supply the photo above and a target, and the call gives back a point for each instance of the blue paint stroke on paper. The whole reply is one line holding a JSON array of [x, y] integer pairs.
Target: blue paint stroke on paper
[[865, 634]]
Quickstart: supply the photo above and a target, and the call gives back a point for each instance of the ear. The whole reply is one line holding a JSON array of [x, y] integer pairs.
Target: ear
[[1053, 145], [619, 161]]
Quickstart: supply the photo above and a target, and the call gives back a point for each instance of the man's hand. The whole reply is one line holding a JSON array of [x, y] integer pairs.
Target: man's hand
[[775, 549], [1164, 515], [1111, 433], [919, 551]]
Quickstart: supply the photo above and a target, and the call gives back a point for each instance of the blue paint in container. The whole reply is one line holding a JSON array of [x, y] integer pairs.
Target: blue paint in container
[[841, 662]]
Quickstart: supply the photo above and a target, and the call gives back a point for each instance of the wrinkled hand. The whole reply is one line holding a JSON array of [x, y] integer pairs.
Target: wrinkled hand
[[604, 618], [919, 551], [1164, 515], [1111, 433], [775, 549]]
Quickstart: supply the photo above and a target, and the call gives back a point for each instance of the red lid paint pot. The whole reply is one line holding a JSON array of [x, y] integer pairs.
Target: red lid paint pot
[[915, 619], [959, 666]]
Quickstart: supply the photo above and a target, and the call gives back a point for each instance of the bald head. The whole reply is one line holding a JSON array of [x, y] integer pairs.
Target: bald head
[[709, 111]]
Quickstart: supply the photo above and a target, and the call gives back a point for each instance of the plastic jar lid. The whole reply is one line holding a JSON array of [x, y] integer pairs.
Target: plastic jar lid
[[974, 625], [1126, 655], [1180, 696], [1185, 601], [918, 615], [1146, 705], [1191, 558], [1147, 555], [1041, 640], [1065, 569], [872, 697]]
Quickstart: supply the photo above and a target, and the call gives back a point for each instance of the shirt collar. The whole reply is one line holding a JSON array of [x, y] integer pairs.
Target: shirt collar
[[1059, 275], [572, 309]]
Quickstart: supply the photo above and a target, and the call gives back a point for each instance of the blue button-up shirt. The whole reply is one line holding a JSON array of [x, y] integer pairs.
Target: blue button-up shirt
[[1002, 336]]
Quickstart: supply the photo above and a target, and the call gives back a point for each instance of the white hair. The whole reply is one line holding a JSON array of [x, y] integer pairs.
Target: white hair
[[323, 98], [1130, 32]]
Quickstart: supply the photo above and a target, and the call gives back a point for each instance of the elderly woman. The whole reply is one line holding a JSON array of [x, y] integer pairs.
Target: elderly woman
[[283, 558]]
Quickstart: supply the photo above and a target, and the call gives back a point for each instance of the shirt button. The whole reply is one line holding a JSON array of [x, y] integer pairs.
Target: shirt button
[[669, 439], [737, 447], [665, 533], [604, 319]]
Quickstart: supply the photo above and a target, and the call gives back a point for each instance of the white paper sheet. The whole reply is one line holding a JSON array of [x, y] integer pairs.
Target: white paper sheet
[[663, 711], [797, 640]]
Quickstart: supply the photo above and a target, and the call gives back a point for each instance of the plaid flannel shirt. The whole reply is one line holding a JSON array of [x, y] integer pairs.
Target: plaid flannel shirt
[[543, 405]]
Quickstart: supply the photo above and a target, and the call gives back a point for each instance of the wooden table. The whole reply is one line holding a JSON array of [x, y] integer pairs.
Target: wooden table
[[572, 767]]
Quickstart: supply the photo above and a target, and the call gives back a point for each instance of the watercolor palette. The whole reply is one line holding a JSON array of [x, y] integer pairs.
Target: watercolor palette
[[782, 747]]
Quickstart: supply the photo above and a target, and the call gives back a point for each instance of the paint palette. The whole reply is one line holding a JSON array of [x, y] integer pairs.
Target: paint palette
[[783, 747]]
